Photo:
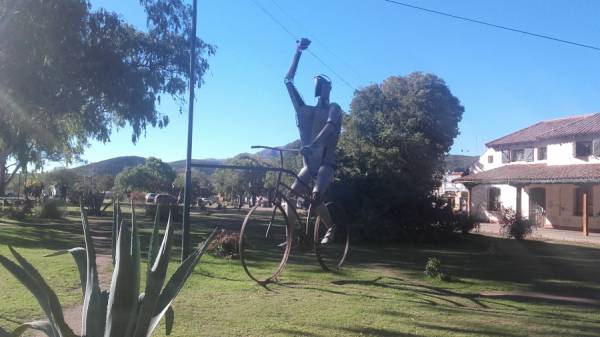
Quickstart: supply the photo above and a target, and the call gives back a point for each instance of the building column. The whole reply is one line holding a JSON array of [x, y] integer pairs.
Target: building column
[[469, 198], [584, 213], [519, 206]]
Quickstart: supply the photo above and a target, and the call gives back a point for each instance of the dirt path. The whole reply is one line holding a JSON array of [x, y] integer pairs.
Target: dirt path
[[104, 265]]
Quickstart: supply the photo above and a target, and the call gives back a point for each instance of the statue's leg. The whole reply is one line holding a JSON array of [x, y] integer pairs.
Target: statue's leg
[[324, 179], [299, 187]]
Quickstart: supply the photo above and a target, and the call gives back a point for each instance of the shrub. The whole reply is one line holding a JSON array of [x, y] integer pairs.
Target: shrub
[[18, 212], [49, 209], [225, 245], [465, 223], [433, 269], [137, 196], [512, 227], [122, 309]]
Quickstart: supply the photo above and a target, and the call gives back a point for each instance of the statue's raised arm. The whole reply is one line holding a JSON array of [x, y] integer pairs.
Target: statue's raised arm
[[289, 78]]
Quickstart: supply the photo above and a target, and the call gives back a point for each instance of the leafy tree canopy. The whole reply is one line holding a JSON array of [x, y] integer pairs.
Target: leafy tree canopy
[[395, 139], [237, 183], [153, 176], [69, 74], [201, 184]]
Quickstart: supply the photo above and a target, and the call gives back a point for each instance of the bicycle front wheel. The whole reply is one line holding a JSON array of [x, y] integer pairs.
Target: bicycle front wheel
[[265, 243], [332, 255]]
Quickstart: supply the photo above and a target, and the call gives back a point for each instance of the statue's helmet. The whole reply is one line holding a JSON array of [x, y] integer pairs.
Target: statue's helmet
[[322, 85]]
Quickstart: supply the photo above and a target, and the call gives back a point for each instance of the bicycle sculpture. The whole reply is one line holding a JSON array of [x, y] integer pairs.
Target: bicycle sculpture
[[268, 235]]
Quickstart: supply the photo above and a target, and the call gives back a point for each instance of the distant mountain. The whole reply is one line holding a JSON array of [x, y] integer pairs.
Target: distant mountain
[[179, 166], [109, 167], [455, 162], [269, 154], [115, 165]]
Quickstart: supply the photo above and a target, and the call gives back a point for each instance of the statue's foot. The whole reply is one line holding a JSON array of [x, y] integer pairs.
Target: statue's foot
[[329, 236]]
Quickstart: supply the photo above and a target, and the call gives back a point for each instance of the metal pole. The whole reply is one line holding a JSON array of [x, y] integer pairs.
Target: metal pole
[[185, 237]]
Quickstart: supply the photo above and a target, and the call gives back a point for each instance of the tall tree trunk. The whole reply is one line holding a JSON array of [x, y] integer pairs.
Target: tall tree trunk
[[3, 159]]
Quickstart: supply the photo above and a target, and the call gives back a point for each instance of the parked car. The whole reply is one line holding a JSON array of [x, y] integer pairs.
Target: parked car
[[165, 199], [150, 197]]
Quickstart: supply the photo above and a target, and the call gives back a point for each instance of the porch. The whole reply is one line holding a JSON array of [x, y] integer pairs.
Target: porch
[[554, 197], [546, 234]]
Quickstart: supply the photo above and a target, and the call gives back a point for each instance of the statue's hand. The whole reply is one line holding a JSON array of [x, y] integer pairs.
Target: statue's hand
[[303, 44]]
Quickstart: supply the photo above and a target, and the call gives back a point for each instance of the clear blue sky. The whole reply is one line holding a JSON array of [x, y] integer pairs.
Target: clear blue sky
[[504, 80]]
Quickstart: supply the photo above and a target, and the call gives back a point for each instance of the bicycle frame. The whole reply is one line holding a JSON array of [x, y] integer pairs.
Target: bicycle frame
[[280, 170]]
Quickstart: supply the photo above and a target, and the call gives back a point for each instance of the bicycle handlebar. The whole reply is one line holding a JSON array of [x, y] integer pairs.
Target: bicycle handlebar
[[280, 149]]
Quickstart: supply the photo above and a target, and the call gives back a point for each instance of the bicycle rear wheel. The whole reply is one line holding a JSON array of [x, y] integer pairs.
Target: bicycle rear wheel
[[262, 236], [332, 255]]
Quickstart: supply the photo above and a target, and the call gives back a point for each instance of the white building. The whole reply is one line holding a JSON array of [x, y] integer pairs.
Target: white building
[[546, 172], [455, 193]]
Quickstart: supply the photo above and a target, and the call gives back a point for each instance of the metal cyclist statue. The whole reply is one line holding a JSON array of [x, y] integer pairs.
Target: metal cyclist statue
[[320, 128]]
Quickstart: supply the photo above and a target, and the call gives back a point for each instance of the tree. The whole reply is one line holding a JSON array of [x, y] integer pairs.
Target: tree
[[33, 186], [237, 183], [201, 184], [393, 146], [62, 179], [152, 176], [70, 74]]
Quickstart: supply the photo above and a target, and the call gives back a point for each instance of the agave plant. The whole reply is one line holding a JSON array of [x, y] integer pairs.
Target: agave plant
[[121, 311]]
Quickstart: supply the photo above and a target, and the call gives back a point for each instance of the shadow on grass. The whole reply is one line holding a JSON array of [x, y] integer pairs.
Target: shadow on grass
[[567, 270]]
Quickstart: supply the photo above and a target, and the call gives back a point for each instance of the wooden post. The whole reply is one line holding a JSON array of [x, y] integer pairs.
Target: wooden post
[[519, 206], [584, 215]]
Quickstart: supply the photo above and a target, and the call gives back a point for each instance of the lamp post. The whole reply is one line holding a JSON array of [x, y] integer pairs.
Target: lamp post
[[185, 237]]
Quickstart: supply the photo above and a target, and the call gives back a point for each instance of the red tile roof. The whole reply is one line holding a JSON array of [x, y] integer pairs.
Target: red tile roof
[[535, 173], [557, 128]]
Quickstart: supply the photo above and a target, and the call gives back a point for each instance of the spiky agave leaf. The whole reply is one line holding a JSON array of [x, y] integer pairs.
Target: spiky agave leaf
[[92, 323], [114, 230], [135, 257], [123, 295], [154, 239], [35, 283], [80, 256], [155, 281], [169, 320], [43, 325], [176, 282], [135, 249]]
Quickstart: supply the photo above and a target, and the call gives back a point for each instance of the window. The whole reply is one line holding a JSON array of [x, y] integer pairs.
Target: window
[[490, 159], [505, 156], [578, 207], [542, 153], [583, 149], [494, 199], [517, 155]]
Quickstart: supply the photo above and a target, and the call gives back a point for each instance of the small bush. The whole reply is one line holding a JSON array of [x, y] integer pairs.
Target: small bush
[[14, 213], [511, 227], [225, 244], [433, 269], [465, 223], [18, 212], [50, 209]]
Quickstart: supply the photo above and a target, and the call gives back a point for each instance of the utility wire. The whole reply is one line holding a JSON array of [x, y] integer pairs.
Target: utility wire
[[322, 44], [515, 30], [289, 32]]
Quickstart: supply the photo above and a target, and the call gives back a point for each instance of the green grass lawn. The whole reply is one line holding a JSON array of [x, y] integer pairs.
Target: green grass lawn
[[382, 292]]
